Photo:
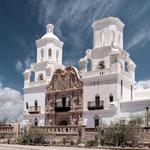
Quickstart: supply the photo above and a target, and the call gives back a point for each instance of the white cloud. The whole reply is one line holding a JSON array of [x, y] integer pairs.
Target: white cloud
[[143, 84], [11, 102]]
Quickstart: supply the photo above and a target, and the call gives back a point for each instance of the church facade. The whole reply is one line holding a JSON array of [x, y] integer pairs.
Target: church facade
[[102, 90]]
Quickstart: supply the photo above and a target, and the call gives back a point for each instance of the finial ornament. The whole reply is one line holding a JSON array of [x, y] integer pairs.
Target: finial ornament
[[50, 28]]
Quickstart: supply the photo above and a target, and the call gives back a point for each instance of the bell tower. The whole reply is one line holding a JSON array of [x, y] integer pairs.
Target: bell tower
[[108, 32], [111, 76], [38, 75], [49, 47]]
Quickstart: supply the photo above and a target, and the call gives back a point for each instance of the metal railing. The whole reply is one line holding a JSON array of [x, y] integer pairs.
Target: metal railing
[[62, 107], [92, 105], [33, 109]]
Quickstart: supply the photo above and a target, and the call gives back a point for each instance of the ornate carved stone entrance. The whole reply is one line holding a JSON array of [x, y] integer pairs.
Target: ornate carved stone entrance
[[64, 98]]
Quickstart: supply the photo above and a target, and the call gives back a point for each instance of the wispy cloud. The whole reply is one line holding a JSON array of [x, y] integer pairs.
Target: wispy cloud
[[136, 11], [22, 65], [139, 28], [74, 11], [73, 19], [139, 38]]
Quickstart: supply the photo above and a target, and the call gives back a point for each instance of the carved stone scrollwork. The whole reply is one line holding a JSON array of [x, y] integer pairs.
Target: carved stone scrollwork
[[65, 79], [64, 84]]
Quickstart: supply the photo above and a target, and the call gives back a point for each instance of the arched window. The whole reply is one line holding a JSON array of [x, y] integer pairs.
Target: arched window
[[32, 78], [119, 37], [121, 88], [64, 102], [42, 53], [103, 38], [57, 54], [36, 122], [27, 106], [96, 121], [111, 98], [89, 65], [97, 100], [49, 52], [36, 105], [126, 66], [111, 37], [40, 77], [131, 92]]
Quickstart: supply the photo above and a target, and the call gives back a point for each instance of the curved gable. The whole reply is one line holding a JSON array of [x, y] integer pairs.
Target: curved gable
[[65, 79]]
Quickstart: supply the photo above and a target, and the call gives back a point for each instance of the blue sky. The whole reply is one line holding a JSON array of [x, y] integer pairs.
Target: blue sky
[[23, 21]]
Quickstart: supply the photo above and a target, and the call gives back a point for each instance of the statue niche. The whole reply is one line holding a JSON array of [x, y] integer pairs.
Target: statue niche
[[101, 65], [40, 77]]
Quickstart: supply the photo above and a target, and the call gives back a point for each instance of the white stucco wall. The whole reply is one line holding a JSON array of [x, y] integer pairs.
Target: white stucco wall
[[30, 98], [103, 91]]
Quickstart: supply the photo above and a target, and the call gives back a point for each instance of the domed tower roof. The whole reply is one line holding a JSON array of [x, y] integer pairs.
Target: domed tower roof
[[50, 33]]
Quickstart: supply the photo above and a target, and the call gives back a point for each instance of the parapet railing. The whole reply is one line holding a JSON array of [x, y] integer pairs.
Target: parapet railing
[[36, 83], [6, 129], [98, 73], [70, 129]]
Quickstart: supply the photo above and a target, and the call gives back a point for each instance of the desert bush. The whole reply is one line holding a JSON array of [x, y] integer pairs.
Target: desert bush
[[72, 142], [91, 143], [33, 136]]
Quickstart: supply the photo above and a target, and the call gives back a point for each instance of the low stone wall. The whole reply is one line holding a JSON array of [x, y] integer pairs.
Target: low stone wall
[[60, 134], [7, 134], [145, 137]]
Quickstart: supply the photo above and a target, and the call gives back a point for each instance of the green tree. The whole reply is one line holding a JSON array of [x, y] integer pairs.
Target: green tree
[[121, 133]]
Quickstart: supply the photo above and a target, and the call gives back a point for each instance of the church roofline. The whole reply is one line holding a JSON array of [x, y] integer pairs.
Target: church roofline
[[101, 23], [42, 42]]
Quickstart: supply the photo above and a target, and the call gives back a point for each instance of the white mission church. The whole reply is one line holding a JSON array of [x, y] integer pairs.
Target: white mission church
[[102, 90]]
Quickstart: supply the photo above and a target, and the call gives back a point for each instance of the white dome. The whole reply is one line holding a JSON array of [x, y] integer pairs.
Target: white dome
[[50, 35]]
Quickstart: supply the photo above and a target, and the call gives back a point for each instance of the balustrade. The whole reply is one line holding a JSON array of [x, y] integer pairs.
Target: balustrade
[[59, 129]]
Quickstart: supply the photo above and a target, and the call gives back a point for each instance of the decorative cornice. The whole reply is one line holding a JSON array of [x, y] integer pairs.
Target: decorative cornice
[[66, 79], [43, 42], [36, 89], [100, 24]]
